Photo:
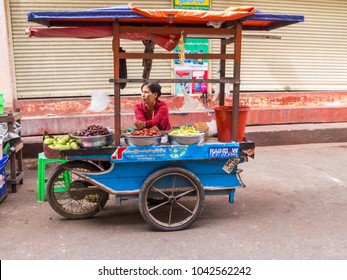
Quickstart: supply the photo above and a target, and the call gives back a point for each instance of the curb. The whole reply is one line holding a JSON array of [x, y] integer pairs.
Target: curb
[[292, 134]]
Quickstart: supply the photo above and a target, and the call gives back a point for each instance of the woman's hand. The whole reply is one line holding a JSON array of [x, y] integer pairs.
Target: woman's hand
[[140, 124], [154, 128]]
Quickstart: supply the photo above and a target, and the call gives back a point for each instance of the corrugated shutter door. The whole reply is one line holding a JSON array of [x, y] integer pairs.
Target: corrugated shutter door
[[310, 56], [46, 67]]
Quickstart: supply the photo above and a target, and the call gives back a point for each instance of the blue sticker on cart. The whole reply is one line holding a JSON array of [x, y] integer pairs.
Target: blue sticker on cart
[[145, 153], [177, 152], [223, 152]]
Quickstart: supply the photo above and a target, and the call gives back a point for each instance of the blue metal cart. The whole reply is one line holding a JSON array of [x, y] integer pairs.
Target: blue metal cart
[[170, 181]]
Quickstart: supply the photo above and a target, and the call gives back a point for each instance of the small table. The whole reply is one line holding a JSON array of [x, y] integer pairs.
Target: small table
[[15, 154]]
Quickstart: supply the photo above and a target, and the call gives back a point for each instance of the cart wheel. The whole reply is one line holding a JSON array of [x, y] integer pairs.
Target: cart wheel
[[156, 200], [179, 197], [70, 195]]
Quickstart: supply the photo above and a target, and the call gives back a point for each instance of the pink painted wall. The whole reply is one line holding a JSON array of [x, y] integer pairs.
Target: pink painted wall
[[66, 106], [70, 114]]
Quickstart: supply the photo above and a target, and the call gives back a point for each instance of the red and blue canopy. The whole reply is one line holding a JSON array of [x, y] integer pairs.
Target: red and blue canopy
[[97, 23]]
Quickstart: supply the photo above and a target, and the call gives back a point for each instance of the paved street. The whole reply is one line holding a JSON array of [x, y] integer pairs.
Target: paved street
[[294, 207]]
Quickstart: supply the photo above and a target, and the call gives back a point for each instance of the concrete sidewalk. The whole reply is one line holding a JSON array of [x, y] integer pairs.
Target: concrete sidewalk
[[293, 208], [266, 135]]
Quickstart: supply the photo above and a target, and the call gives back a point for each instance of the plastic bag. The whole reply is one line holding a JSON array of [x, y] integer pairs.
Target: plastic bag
[[212, 127], [99, 101], [190, 104], [7, 136]]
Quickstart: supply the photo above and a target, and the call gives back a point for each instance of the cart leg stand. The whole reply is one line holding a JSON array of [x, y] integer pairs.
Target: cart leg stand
[[232, 196], [41, 174]]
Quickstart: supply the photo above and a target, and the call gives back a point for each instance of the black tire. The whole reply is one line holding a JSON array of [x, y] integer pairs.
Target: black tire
[[181, 196], [70, 195]]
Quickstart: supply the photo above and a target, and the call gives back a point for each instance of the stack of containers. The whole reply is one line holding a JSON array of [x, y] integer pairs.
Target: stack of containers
[[3, 187], [3, 158]]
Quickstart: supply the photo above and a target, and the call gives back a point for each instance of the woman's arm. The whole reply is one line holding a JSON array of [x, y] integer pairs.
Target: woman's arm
[[139, 113]]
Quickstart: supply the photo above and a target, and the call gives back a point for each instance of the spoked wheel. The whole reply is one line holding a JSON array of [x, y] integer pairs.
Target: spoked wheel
[[70, 195], [178, 195]]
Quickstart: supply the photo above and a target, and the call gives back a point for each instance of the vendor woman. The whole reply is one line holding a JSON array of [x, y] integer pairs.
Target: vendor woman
[[152, 112]]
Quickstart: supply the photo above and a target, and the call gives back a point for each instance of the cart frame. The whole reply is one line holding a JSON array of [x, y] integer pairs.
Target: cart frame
[[230, 33]]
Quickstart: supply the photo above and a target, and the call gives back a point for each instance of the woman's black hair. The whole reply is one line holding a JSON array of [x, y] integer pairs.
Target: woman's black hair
[[154, 87]]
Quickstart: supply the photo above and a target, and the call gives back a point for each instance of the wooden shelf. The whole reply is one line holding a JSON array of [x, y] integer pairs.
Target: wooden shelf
[[10, 117]]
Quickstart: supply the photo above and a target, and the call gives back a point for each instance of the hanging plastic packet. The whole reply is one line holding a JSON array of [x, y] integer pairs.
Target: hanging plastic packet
[[190, 104], [99, 101], [212, 128]]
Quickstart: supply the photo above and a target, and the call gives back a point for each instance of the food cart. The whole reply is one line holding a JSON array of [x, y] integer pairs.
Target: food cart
[[169, 180]]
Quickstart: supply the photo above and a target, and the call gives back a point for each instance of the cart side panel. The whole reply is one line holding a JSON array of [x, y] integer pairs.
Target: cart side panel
[[128, 178]]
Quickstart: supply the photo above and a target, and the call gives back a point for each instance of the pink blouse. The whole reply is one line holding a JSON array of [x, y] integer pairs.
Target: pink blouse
[[160, 117]]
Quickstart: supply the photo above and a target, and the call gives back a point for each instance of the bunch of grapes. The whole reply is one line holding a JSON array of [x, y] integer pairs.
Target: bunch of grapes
[[92, 130]]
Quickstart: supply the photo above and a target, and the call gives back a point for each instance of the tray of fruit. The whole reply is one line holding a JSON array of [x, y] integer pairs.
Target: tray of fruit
[[91, 140], [144, 137], [93, 136], [52, 145], [186, 135]]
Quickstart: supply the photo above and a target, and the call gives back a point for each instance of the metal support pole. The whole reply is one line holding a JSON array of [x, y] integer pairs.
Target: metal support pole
[[116, 76], [236, 85], [222, 63]]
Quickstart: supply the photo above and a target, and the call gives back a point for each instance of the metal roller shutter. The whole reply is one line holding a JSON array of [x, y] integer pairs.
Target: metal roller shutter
[[71, 67], [310, 56]]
